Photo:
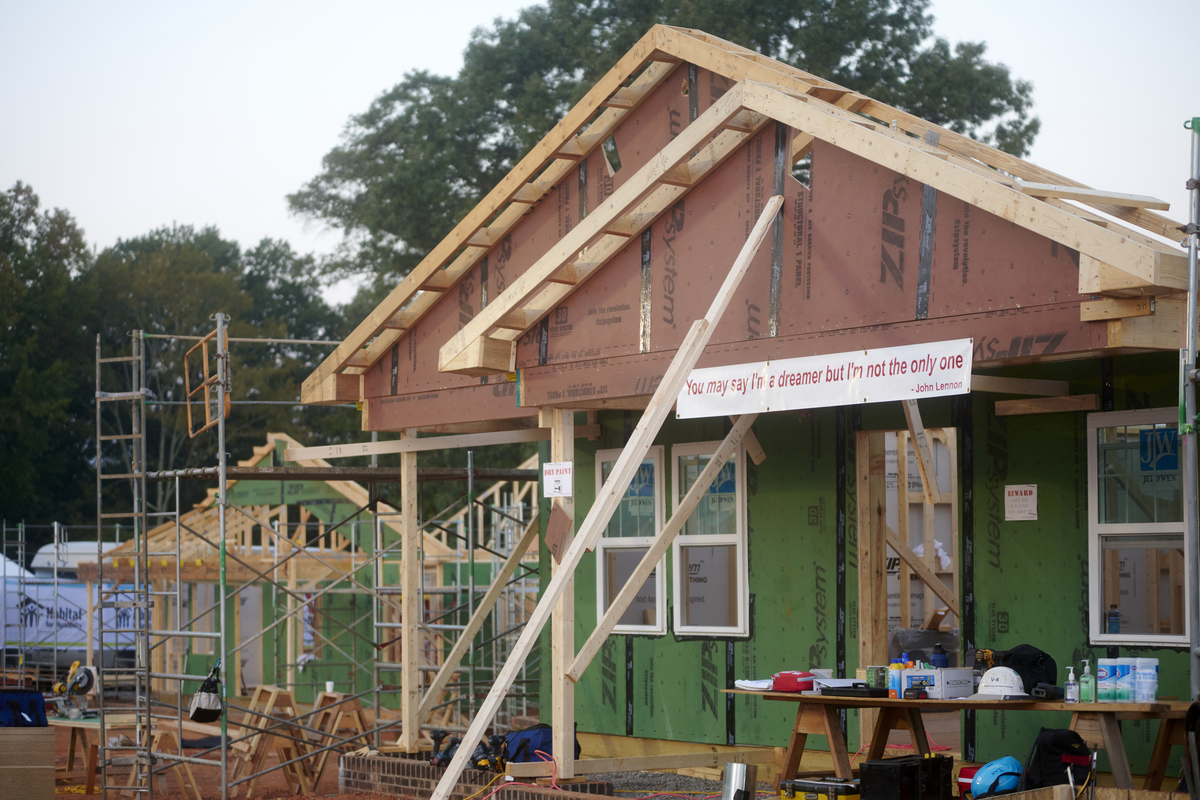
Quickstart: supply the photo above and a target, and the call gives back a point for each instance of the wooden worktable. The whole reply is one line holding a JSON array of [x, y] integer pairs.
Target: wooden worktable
[[1095, 722]]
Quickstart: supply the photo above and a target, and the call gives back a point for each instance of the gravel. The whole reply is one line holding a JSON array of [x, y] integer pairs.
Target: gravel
[[644, 784]]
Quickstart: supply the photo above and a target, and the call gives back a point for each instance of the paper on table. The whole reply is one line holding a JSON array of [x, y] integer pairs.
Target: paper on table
[[755, 686]]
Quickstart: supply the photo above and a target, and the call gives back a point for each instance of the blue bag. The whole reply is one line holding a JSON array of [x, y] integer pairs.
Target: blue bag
[[22, 708], [522, 746]]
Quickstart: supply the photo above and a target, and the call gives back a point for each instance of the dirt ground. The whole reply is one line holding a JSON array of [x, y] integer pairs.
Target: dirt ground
[[270, 787]]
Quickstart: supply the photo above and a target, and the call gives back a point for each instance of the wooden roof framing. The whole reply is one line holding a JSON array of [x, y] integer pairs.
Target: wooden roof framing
[[1114, 259], [198, 558]]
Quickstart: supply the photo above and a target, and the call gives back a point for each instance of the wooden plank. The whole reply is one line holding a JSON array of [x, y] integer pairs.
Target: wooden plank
[[923, 571], [999, 385], [1115, 308], [924, 455], [410, 602], [754, 449], [650, 561], [608, 498], [628, 198], [1162, 330], [1047, 405], [872, 557], [562, 623], [1090, 195], [414, 445]]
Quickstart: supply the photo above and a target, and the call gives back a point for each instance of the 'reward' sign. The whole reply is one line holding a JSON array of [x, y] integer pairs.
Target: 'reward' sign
[[909, 372]]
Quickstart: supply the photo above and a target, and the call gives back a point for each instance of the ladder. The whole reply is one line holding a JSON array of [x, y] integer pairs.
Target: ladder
[[123, 609]]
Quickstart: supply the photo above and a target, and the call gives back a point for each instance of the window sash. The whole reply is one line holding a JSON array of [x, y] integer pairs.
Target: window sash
[[734, 538], [1110, 532], [628, 520]]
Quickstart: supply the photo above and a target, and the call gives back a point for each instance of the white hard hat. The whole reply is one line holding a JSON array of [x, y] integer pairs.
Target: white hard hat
[[1000, 683]]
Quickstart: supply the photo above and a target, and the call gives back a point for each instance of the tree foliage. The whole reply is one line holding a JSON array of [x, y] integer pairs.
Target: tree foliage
[[429, 148]]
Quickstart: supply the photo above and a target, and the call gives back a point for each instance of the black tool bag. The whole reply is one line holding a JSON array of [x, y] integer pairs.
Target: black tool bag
[[206, 702], [1056, 750], [1033, 665], [22, 708], [908, 778]]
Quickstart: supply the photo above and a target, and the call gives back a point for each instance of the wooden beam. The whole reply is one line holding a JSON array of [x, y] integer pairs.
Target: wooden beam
[[415, 445], [924, 452], [1090, 195], [1115, 308], [923, 571], [335, 390], [455, 355], [765, 755], [433, 695], [999, 385], [1162, 330], [607, 500], [562, 623], [871, 459], [650, 561], [410, 602], [753, 449], [1047, 405]]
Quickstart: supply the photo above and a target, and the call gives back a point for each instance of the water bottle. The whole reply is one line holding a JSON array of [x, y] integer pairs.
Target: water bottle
[[939, 657], [1114, 619]]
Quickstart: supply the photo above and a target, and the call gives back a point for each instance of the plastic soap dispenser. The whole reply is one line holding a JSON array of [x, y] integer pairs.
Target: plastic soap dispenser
[[1087, 684], [1071, 693]]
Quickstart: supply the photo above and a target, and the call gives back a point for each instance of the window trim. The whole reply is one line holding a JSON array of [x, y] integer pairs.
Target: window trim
[[738, 540], [657, 454], [1148, 530]]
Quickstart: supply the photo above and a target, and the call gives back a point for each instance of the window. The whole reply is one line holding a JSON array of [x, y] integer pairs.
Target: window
[[711, 593], [630, 532], [1137, 551]]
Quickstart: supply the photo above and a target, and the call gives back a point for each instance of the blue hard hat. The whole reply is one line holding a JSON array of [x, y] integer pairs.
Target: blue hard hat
[[996, 777]]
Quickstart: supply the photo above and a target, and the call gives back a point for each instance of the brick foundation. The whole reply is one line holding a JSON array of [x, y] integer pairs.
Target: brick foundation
[[410, 776]]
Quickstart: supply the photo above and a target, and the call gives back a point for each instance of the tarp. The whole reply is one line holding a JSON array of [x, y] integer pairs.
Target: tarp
[[35, 615]]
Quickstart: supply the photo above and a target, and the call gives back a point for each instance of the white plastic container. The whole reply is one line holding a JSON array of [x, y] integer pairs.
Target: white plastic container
[[1106, 680], [1145, 687]]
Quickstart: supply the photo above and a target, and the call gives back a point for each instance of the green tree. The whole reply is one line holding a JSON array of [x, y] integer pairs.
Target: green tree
[[428, 149], [45, 389]]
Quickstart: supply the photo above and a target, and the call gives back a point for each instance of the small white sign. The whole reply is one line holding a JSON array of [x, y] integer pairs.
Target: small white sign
[[906, 372], [556, 478], [1020, 502]]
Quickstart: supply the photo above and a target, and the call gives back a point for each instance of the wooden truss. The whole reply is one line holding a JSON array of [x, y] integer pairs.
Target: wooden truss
[[1115, 259]]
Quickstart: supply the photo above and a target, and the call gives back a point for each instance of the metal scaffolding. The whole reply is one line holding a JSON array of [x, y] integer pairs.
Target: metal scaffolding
[[163, 607]]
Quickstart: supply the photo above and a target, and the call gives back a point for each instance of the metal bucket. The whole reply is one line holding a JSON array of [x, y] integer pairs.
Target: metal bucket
[[741, 782]]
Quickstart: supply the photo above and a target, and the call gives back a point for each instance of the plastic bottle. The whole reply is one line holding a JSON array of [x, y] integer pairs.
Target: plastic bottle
[[1113, 619], [1071, 690], [939, 657], [1087, 684], [906, 662], [895, 679]]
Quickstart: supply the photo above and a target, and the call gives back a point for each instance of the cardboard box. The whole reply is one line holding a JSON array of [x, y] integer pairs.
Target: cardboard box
[[27, 763]]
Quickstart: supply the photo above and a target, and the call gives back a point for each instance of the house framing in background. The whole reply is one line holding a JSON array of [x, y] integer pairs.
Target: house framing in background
[[658, 228]]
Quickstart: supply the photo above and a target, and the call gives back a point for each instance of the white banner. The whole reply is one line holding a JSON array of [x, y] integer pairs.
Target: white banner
[[38, 617], [909, 372]]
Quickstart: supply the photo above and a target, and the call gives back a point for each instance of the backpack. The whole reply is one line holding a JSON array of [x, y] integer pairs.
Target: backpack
[[22, 708], [1033, 665], [522, 746], [1054, 751]]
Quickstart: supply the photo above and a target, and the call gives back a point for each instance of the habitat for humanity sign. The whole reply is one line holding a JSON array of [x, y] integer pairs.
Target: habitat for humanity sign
[[860, 376]]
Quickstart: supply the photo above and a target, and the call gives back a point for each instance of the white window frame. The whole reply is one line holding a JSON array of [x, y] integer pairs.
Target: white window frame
[[1096, 614], [656, 454], [737, 539]]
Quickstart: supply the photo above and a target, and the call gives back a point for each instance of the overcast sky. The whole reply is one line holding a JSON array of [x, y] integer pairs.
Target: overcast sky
[[134, 115]]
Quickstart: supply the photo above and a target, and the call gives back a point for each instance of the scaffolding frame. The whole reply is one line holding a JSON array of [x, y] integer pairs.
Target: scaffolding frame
[[160, 623]]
